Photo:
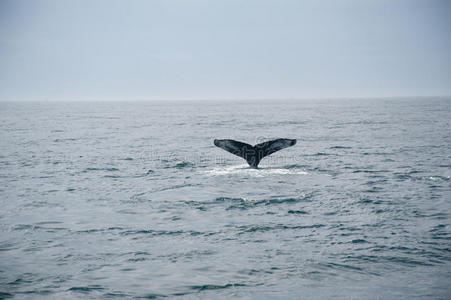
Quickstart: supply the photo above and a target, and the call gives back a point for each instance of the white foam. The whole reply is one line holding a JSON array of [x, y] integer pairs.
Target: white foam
[[245, 169]]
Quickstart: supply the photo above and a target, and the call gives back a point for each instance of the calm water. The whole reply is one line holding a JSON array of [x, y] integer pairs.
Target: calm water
[[125, 200]]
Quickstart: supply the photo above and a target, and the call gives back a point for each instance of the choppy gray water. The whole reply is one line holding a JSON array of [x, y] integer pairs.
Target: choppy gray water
[[133, 200]]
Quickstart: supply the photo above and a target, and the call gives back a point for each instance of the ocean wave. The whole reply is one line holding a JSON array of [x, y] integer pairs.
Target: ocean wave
[[340, 147], [263, 228], [205, 287], [100, 169], [87, 288]]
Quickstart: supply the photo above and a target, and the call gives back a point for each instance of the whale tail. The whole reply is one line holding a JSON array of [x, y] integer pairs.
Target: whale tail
[[254, 154]]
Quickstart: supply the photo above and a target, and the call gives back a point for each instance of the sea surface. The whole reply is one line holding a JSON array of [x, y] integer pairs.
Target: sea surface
[[121, 200]]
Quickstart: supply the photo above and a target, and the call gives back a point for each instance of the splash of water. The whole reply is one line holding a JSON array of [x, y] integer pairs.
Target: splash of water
[[244, 169]]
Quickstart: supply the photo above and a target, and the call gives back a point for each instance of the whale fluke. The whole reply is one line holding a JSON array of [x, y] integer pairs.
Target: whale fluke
[[254, 154]]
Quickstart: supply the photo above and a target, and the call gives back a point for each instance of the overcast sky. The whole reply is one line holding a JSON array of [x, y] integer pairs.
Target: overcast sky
[[223, 49]]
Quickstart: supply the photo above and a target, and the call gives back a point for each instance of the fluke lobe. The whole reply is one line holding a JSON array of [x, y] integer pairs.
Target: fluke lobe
[[254, 154]]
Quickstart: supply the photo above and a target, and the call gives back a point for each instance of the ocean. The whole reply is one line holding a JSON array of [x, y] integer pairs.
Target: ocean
[[128, 200]]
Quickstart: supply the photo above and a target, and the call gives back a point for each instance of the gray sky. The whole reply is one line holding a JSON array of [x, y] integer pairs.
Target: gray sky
[[223, 49]]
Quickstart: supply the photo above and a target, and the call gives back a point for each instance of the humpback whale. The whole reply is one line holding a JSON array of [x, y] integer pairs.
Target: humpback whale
[[254, 154]]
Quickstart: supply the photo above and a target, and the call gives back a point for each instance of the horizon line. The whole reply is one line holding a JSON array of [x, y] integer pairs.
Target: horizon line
[[232, 99]]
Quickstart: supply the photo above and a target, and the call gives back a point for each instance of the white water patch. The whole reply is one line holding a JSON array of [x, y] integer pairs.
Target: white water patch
[[244, 169]]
